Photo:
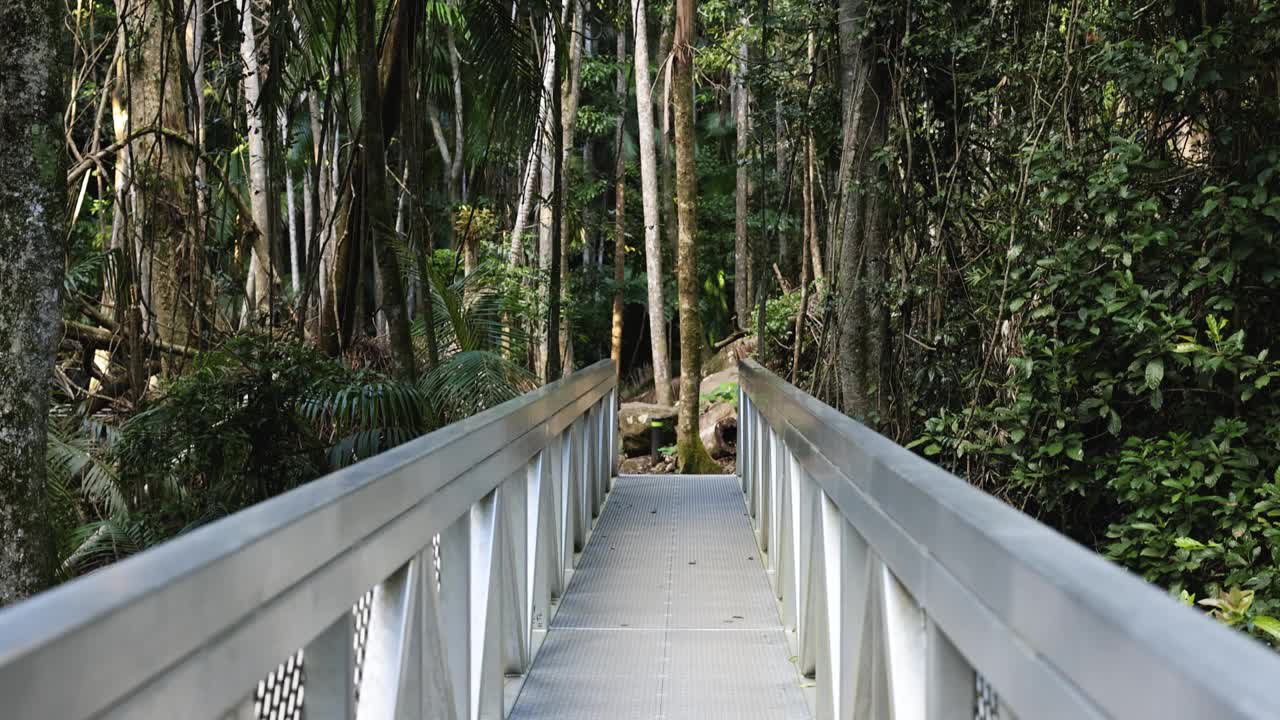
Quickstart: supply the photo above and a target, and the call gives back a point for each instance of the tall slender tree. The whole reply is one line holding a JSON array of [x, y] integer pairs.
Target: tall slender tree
[[32, 196], [741, 190], [649, 196], [620, 200], [261, 270], [692, 455]]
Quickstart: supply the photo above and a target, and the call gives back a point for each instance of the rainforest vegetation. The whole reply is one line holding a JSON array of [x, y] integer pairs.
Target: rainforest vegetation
[[246, 242]]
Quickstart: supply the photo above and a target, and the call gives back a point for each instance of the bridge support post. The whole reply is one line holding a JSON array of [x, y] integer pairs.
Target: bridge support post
[[330, 663]]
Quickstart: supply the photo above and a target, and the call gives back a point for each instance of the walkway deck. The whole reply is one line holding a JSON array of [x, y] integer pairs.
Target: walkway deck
[[669, 615]]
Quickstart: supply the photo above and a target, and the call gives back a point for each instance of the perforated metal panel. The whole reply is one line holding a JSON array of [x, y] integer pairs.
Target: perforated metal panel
[[987, 701], [669, 615], [282, 694], [279, 696]]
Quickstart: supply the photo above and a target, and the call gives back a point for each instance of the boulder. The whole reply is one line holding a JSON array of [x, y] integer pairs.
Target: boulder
[[718, 428], [635, 420], [713, 382], [728, 356]]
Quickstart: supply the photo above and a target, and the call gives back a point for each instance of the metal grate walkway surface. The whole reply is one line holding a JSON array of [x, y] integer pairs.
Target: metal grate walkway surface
[[669, 615]]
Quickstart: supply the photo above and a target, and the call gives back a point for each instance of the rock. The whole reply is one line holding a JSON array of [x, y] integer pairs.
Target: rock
[[650, 395], [718, 428], [635, 420], [728, 356], [713, 382]]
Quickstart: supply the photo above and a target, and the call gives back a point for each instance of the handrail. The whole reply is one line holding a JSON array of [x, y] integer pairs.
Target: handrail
[[871, 546], [188, 628]]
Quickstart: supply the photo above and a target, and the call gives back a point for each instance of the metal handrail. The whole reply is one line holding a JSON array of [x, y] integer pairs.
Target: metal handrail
[[900, 581], [188, 628]]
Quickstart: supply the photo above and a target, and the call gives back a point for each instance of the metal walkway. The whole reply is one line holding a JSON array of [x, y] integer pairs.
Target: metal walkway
[[668, 615]]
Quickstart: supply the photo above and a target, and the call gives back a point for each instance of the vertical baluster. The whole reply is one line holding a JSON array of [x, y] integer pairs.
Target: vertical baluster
[[789, 576], [565, 503], [586, 464], [542, 568], [455, 609], [811, 621], [764, 490], [470, 595], [600, 453], [951, 692], [580, 484], [437, 690], [391, 677], [905, 644], [615, 450], [742, 466], [553, 485], [777, 479], [513, 579], [329, 668], [752, 460]]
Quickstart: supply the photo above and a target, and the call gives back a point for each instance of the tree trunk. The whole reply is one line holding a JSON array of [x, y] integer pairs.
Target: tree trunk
[[649, 195], [620, 203], [533, 166], [811, 177], [291, 207], [375, 198], [568, 127], [156, 235], [552, 256], [419, 235], [864, 83], [667, 176], [259, 187], [809, 240], [692, 455], [33, 178], [741, 195]]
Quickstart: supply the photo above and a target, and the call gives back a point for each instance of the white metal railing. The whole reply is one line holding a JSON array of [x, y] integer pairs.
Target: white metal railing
[[909, 593], [465, 537]]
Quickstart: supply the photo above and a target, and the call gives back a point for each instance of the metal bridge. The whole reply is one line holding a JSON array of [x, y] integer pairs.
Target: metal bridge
[[498, 568]]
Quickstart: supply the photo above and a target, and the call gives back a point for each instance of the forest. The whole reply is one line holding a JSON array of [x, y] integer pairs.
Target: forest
[[245, 243]]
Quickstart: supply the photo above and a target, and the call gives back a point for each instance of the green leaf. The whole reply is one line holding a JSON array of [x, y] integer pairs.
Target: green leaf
[[1187, 347], [1186, 543], [1076, 453], [1170, 83], [932, 449], [1268, 625], [1155, 372]]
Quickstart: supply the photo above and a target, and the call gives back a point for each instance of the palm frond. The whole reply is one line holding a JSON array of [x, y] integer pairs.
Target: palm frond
[[472, 381]]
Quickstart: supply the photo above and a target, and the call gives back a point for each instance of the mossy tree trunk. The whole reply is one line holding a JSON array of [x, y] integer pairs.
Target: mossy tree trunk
[[860, 303], [692, 457], [32, 195]]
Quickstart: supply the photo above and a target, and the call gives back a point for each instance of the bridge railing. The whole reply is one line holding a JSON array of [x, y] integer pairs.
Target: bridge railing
[[450, 549], [911, 594]]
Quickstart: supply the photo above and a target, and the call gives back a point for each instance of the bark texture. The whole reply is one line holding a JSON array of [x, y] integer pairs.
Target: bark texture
[[158, 232], [864, 87], [619, 205], [692, 455], [376, 199], [32, 192], [261, 266], [741, 192], [649, 195]]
